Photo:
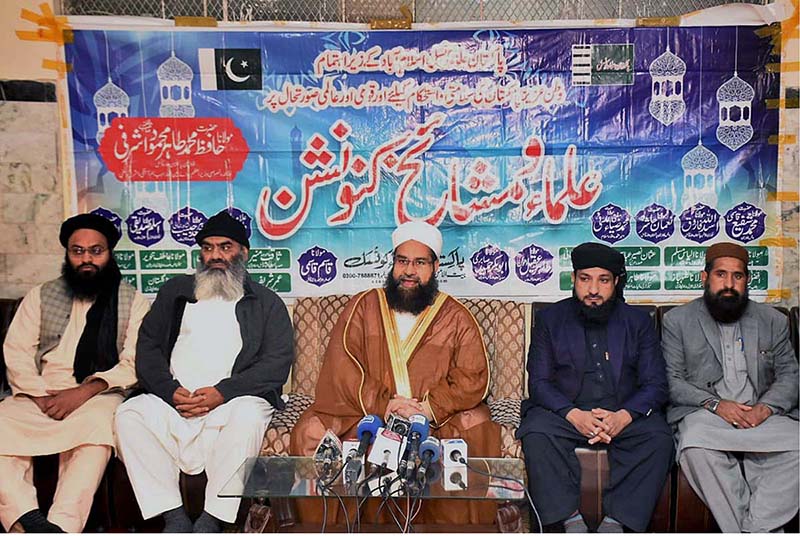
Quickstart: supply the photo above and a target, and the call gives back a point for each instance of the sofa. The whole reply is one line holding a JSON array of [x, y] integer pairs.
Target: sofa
[[504, 326]]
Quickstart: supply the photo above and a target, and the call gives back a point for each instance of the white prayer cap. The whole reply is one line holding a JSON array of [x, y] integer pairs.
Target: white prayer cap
[[420, 231]]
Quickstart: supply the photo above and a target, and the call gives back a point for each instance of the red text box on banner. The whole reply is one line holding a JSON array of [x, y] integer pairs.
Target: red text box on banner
[[141, 149]]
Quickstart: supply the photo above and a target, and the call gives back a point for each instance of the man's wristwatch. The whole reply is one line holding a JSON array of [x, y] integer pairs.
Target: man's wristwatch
[[712, 405]]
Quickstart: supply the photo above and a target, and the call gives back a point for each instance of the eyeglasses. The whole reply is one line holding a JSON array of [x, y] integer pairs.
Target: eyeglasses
[[418, 263], [94, 251]]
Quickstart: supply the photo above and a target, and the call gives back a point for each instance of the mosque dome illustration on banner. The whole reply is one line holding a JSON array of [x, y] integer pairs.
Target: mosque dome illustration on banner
[[699, 177], [110, 101], [175, 88], [666, 93], [735, 98]]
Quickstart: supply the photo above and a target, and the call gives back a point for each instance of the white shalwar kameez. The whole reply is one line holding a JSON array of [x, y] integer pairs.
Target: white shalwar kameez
[[157, 443]]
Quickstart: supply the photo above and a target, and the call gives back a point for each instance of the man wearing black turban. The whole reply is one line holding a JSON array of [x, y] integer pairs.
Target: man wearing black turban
[[596, 377], [69, 351], [213, 355]]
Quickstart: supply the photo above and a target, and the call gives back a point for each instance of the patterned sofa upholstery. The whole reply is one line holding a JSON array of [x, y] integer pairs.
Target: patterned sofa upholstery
[[503, 327]]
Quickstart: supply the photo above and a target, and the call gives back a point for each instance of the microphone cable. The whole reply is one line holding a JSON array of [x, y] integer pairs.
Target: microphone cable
[[385, 484], [327, 486], [413, 507], [360, 503], [324, 504], [510, 479]]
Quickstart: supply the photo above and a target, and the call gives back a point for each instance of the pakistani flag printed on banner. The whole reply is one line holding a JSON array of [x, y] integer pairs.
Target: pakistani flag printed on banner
[[229, 68]]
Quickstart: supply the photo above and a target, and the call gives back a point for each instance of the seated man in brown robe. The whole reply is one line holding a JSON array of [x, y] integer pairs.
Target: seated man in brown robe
[[407, 349]]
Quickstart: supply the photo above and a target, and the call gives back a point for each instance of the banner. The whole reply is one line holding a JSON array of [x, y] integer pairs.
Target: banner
[[518, 144]]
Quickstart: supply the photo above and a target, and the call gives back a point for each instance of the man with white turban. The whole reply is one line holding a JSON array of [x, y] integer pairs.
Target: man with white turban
[[407, 349]]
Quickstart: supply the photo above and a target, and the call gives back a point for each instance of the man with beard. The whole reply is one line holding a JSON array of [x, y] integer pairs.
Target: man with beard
[[733, 398], [70, 353], [406, 349], [595, 377], [212, 358]]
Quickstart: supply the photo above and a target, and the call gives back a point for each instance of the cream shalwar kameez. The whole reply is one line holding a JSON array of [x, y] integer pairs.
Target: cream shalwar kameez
[[83, 439]]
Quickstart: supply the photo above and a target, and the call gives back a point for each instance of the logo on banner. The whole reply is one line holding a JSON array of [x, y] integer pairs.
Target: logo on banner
[[317, 266], [111, 216], [229, 68], [699, 223], [655, 223], [145, 226], [185, 224], [611, 223], [490, 264], [602, 65], [533, 264], [745, 222]]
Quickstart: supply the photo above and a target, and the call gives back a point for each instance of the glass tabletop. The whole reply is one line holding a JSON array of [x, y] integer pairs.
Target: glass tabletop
[[301, 476]]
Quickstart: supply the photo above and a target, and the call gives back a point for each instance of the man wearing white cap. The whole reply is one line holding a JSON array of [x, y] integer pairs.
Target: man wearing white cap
[[407, 349]]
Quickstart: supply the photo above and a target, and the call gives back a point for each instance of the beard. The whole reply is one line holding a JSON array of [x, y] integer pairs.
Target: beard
[[88, 285], [412, 301], [596, 314], [225, 282], [727, 305]]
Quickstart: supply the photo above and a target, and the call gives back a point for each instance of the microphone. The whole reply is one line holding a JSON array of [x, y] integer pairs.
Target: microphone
[[386, 450], [398, 424], [455, 450], [329, 450], [422, 487], [429, 452], [352, 464], [455, 478], [418, 431], [367, 428]]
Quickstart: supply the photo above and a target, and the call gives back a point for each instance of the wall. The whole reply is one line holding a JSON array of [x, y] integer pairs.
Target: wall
[[31, 203], [789, 155], [22, 60]]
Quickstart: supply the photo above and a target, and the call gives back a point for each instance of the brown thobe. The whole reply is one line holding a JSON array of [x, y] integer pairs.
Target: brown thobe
[[442, 363]]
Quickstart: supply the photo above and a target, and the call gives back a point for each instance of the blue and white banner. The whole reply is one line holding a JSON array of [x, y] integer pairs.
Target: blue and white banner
[[519, 144]]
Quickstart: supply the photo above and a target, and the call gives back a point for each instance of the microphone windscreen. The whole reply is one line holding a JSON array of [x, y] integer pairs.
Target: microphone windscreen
[[369, 424], [420, 425], [430, 445]]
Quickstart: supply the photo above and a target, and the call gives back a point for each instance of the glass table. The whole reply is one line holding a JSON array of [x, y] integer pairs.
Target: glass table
[[298, 476], [280, 478]]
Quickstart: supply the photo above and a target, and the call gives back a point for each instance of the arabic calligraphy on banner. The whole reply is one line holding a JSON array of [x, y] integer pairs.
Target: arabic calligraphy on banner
[[533, 187], [180, 149], [517, 144]]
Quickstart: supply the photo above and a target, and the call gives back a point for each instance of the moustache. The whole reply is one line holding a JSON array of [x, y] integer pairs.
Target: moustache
[[728, 292]]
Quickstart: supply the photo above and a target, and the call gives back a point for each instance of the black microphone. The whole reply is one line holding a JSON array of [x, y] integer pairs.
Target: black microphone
[[418, 431], [429, 451], [367, 428]]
